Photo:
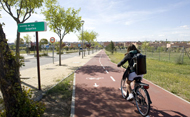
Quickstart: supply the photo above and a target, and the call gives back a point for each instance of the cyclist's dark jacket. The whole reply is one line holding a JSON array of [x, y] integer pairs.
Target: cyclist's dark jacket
[[128, 58]]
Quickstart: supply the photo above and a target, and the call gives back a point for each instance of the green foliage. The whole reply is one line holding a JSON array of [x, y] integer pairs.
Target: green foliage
[[87, 36], [44, 54], [24, 8], [66, 48], [0, 14], [21, 41], [179, 60], [27, 107], [59, 20], [27, 38], [58, 44], [43, 41], [160, 49], [63, 87], [144, 45]]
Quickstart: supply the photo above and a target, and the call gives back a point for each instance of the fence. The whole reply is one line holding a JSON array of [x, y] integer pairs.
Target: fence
[[174, 55]]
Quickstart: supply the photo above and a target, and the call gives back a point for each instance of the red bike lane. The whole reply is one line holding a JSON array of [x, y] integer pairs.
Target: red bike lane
[[97, 93]]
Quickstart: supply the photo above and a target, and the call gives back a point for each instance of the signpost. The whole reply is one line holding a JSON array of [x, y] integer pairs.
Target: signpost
[[52, 40], [34, 27]]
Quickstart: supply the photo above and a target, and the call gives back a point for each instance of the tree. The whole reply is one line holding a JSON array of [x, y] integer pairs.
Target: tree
[[20, 42], [43, 41], [110, 47], [24, 10], [16, 101], [61, 21], [27, 38], [57, 44], [88, 37], [0, 14]]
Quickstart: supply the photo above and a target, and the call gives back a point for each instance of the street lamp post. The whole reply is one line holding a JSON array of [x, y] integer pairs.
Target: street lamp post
[[82, 21]]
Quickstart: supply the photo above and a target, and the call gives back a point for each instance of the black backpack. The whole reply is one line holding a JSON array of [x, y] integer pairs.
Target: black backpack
[[139, 65]]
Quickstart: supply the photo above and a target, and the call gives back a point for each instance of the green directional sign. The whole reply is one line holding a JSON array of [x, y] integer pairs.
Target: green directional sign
[[32, 27]]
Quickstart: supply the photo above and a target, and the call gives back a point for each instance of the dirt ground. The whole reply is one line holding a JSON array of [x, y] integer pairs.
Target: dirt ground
[[58, 101], [56, 106]]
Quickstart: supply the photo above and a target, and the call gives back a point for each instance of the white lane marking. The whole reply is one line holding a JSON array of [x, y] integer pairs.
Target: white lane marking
[[112, 78], [95, 85], [100, 61], [73, 98], [101, 64], [91, 78]]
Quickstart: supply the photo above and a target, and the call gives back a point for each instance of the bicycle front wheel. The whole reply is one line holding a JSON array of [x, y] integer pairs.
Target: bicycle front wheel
[[142, 101], [124, 91]]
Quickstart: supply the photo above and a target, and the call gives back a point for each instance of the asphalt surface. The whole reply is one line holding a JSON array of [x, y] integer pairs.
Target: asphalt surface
[[97, 93], [30, 61]]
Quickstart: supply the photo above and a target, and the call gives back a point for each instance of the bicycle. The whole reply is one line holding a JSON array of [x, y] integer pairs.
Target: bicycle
[[140, 93]]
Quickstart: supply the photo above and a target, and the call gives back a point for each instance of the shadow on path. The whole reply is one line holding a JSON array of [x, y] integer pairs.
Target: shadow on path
[[29, 85], [93, 69], [102, 102], [154, 112], [108, 102]]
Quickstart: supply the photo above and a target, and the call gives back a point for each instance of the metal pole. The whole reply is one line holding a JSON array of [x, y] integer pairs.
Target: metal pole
[[82, 40], [53, 53], [38, 62]]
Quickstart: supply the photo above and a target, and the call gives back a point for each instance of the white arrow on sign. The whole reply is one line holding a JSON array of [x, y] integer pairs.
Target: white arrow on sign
[[95, 85]]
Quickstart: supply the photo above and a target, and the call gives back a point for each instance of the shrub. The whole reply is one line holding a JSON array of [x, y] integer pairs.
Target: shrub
[[27, 107], [179, 60]]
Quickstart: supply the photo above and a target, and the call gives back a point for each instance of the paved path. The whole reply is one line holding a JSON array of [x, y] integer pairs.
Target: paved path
[[97, 93]]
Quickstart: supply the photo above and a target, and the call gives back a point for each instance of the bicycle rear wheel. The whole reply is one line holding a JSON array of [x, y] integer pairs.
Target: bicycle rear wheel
[[124, 91], [142, 101]]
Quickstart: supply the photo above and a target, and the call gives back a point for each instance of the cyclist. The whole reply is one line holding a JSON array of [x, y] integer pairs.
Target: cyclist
[[129, 73]]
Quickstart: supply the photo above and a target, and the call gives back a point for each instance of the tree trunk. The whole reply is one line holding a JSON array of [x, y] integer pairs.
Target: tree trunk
[[17, 46], [9, 77], [60, 47], [18, 52]]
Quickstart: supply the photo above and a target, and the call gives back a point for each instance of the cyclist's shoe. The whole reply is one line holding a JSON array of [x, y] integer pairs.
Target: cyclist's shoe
[[130, 97]]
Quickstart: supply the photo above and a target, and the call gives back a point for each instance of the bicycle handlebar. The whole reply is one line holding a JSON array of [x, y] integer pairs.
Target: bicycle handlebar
[[124, 67]]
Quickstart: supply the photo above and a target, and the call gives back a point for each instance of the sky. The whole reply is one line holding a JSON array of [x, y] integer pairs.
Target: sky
[[119, 20]]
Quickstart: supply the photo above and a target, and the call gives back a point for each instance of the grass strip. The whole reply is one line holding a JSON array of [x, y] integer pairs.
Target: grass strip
[[58, 99]]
